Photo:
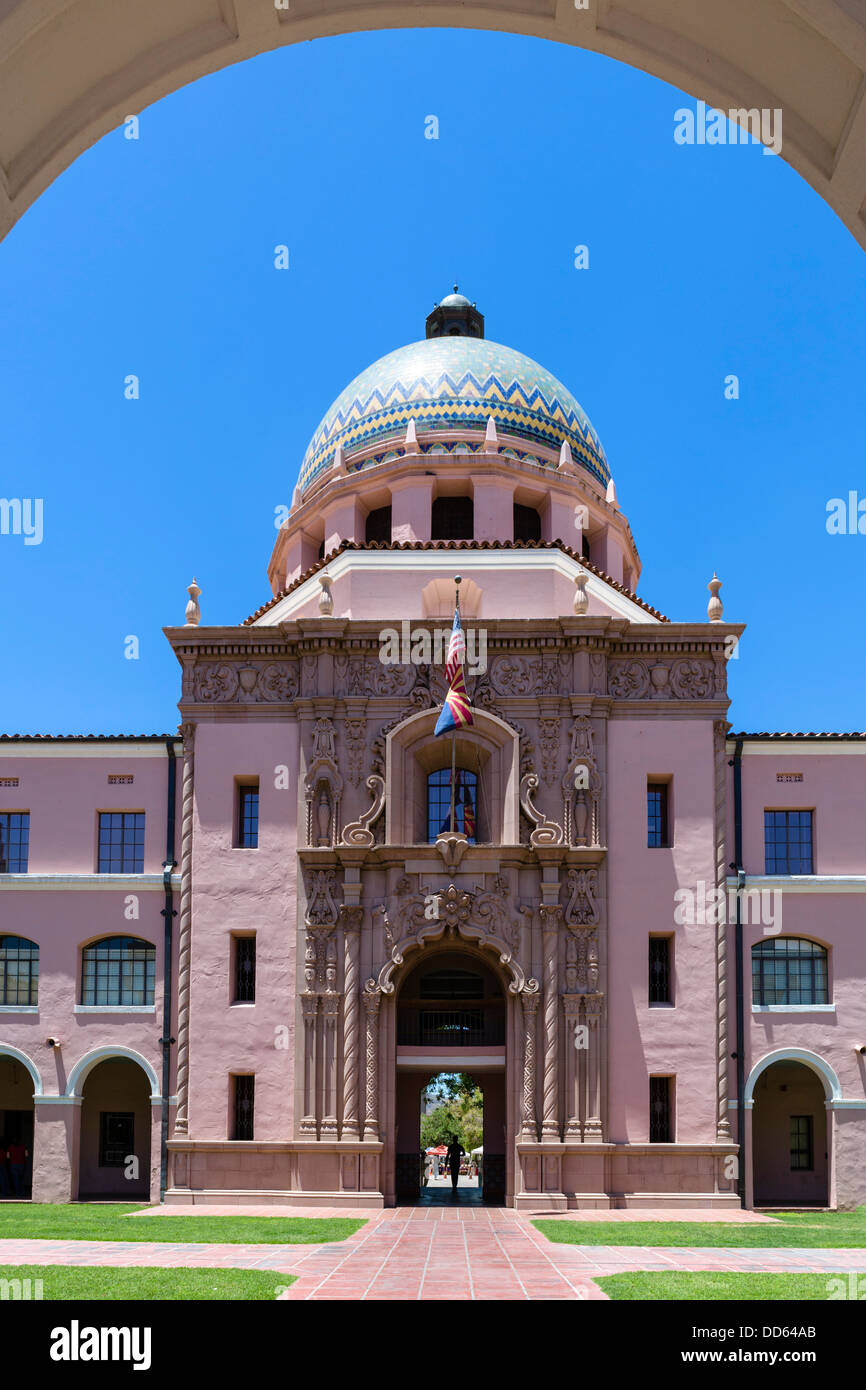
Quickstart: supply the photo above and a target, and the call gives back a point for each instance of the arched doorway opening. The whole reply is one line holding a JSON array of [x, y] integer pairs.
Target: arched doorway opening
[[451, 1016], [115, 1141], [790, 1137], [16, 1128]]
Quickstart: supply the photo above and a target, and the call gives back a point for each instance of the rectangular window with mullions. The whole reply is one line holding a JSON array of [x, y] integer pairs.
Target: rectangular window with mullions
[[658, 819], [121, 842], [14, 841], [661, 975], [661, 1109], [248, 816], [802, 1157], [243, 1106], [788, 842]]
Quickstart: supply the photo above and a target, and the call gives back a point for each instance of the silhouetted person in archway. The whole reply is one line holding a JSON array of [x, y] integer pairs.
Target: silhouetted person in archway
[[455, 1153]]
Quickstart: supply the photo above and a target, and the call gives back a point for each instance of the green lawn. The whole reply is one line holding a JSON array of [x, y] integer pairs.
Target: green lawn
[[74, 1283], [694, 1287], [818, 1229], [97, 1221]]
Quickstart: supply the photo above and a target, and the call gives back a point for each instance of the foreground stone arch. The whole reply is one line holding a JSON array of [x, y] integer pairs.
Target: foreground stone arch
[[70, 70]]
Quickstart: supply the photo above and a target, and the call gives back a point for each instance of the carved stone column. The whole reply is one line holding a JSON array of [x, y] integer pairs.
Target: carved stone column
[[550, 920], [372, 1000], [310, 1006], [594, 1004], [181, 1121], [529, 998], [571, 1010], [330, 1014], [351, 917]]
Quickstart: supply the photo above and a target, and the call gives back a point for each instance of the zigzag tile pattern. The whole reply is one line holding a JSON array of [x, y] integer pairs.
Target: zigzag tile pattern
[[454, 383]]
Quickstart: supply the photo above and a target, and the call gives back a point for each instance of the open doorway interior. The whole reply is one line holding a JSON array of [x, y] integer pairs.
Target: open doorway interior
[[452, 1135]]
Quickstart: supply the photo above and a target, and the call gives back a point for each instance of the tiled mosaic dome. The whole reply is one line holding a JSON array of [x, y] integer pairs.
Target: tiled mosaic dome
[[454, 383]]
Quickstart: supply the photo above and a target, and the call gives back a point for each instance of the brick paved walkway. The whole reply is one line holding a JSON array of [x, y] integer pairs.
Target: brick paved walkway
[[435, 1253]]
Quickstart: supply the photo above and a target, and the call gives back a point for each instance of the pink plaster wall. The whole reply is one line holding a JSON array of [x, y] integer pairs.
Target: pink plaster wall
[[644, 1041], [243, 890]]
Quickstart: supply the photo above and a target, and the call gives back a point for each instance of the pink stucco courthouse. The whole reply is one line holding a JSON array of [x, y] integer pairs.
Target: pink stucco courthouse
[[233, 957]]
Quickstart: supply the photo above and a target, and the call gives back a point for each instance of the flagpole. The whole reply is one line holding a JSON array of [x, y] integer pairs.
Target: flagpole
[[457, 580]]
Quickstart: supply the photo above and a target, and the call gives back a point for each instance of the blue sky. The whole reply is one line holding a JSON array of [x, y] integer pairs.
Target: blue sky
[[155, 257]]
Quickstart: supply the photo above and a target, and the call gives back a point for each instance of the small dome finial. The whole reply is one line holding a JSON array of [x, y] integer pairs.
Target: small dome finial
[[193, 612], [714, 607]]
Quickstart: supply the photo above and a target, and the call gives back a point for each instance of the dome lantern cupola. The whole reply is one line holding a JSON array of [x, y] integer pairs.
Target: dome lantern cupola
[[455, 317]]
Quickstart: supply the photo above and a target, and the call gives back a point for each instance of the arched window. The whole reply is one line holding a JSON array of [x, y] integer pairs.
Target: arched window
[[527, 523], [453, 519], [465, 803], [118, 970], [19, 970], [789, 970]]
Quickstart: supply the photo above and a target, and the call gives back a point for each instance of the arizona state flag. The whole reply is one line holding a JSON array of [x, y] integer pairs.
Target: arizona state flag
[[456, 713]]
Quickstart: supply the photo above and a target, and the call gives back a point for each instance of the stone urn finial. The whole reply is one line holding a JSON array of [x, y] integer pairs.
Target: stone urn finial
[[193, 612], [714, 607], [581, 597], [326, 598]]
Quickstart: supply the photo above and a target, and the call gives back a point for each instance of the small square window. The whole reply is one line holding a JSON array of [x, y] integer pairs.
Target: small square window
[[802, 1156], [657, 798], [788, 842], [248, 816], [661, 1107], [243, 1105], [661, 970], [14, 841], [121, 842], [116, 1138], [244, 969]]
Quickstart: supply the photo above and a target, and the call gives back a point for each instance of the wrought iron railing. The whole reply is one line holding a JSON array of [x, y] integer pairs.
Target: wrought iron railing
[[450, 1028]]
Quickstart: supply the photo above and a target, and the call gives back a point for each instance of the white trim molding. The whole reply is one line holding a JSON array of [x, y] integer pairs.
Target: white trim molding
[[793, 1008], [89, 882], [58, 1100], [802, 883], [115, 751], [472, 562], [114, 1008], [822, 1069], [7, 1051], [796, 748], [84, 1066]]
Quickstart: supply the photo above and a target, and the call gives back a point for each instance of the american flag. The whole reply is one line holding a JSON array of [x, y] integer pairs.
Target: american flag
[[456, 649]]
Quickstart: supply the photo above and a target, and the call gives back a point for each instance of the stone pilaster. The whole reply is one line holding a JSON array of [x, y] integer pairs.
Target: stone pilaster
[[571, 1004], [310, 1006], [330, 1015], [181, 1120], [593, 1004]]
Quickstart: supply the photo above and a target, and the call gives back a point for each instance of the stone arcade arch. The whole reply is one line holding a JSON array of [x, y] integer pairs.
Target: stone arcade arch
[[71, 70], [116, 1093], [791, 1089]]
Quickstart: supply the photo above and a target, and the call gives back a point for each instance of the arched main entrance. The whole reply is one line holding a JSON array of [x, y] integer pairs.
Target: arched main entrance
[[790, 1136], [71, 72], [451, 1017]]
